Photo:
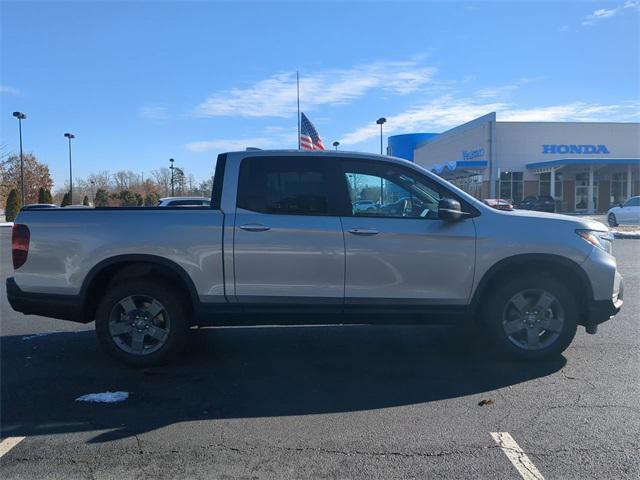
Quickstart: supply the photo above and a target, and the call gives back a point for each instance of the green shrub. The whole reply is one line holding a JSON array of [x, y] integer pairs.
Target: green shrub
[[85, 201], [127, 198], [151, 199], [102, 198], [66, 200], [13, 206]]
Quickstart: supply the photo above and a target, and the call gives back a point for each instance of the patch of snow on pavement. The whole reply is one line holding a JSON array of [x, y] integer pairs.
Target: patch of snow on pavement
[[104, 397], [6, 224], [36, 335], [626, 233]]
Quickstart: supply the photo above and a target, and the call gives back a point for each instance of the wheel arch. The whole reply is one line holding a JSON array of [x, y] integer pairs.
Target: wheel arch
[[103, 274], [575, 277]]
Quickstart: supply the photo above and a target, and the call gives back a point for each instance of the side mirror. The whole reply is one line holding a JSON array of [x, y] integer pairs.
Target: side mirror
[[449, 210], [621, 205]]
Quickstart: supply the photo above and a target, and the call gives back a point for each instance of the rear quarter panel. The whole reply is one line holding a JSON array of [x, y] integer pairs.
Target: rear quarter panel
[[66, 244]]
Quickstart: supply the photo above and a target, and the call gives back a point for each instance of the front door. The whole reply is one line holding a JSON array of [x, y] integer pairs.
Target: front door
[[288, 247], [400, 252], [582, 193]]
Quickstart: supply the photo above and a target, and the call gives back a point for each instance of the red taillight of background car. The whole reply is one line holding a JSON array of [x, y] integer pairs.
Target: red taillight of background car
[[19, 244]]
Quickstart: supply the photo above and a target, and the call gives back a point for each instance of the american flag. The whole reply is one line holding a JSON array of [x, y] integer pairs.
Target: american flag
[[309, 138]]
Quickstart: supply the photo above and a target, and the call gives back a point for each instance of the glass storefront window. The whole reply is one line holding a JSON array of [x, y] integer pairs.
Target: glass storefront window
[[511, 186], [472, 185], [582, 192], [618, 187], [545, 185]]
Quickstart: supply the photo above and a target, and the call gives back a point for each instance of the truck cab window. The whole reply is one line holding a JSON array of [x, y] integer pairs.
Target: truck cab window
[[283, 185], [386, 191]]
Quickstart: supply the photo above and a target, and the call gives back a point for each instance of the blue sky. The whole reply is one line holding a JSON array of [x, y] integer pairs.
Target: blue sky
[[140, 82]]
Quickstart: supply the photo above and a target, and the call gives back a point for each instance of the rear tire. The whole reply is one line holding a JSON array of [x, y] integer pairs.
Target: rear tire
[[613, 221], [142, 323], [531, 317]]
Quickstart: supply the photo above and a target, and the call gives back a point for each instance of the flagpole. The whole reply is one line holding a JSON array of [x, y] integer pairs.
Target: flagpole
[[298, 90]]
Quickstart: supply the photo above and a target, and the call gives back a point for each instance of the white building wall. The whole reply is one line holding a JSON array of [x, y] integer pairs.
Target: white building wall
[[452, 144], [520, 143]]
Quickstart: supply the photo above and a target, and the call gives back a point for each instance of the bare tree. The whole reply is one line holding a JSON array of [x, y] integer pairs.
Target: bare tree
[[101, 180], [162, 177]]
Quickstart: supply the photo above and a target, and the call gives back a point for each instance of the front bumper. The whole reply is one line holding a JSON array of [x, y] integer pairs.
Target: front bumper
[[64, 307], [602, 310]]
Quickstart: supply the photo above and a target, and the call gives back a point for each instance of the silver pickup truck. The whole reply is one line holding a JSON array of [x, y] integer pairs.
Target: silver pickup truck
[[284, 242]]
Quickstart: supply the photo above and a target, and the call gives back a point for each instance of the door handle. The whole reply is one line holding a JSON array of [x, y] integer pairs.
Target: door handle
[[363, 231], [254, 227]]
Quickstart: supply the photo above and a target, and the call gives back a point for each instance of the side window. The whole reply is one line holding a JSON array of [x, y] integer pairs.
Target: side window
[[283, 185], [188, 203], [384, 190], [633, 202]]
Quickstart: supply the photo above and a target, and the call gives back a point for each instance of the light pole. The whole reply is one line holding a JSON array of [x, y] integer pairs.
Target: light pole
[[171, 160], [69, 136], [336, 144], [21, 116], [93, 191], [381, 121]]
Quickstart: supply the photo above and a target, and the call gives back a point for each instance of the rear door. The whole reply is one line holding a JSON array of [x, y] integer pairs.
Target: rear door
[[288, 241], [401, 253]]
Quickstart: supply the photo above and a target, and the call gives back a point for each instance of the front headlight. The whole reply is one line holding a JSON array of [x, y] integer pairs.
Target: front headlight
[[597, 238]]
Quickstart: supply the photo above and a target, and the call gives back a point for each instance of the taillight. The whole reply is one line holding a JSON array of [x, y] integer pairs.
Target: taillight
[[19, 244]]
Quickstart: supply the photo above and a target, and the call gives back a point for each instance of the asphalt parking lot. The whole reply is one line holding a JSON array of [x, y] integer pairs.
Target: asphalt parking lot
[[322, 402]]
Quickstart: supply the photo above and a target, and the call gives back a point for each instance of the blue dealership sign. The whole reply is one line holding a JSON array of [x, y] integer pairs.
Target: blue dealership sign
[[472, 154], [574, 149]]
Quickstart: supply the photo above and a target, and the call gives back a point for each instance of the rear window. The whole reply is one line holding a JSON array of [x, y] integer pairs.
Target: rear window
[[283, 185]]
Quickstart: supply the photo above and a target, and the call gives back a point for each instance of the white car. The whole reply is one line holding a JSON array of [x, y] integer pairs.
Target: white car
[[184, 202], [627, 213]]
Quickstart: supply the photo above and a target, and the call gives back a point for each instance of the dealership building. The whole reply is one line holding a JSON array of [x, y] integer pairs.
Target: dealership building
[[585, 166]]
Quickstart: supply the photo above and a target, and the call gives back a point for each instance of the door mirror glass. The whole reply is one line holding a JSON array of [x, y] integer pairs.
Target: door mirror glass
[[449, 210]]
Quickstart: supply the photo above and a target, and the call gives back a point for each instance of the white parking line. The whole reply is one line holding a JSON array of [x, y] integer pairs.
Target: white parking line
[[518, 458], [8, 443]]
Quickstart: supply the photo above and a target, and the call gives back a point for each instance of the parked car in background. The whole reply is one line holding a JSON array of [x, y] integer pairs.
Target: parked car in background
[[38, 206], [499, 203], [282, 244], [627, 213], [184, 202], [540, 203], [364, 205]]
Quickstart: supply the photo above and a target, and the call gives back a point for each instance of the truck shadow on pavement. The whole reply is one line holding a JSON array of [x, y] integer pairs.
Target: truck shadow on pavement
[[246, 372]]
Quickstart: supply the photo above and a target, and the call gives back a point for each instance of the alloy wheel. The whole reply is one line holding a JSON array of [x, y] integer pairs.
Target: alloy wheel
[[139, 324], [533, 319]]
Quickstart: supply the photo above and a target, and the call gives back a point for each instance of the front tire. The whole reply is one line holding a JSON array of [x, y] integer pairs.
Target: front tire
[[613, 221], [142, 323], [531, 317]]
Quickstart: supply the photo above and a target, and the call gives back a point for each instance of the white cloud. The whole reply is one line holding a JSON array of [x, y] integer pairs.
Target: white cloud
[[448, 112], [603, 13], [276, 95], [576, 111], [7, 90], [154, 112], [438, 114], [227, 145], [495, 92]]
